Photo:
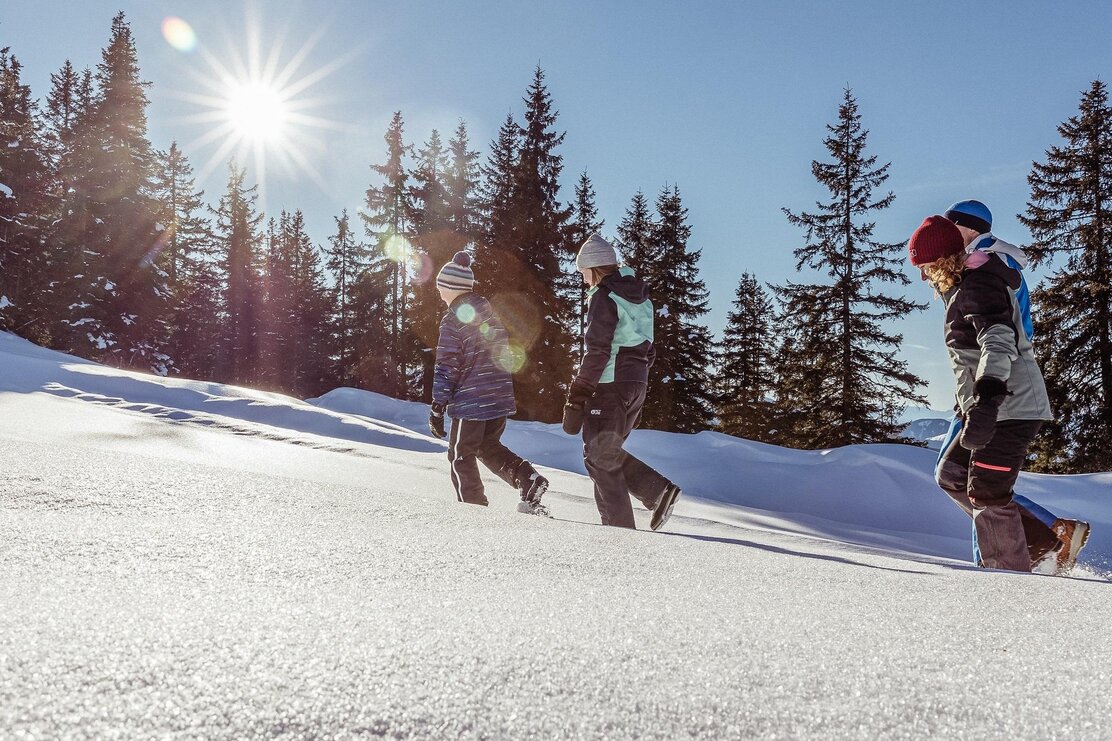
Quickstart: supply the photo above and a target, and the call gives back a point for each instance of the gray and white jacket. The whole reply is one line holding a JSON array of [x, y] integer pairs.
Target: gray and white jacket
[[988, 333]]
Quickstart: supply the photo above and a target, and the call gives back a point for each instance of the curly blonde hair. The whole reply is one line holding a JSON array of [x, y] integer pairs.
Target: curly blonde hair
[[945, 272]]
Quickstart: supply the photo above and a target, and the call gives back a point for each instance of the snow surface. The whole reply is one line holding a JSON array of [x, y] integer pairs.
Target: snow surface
[[6, 191], [185, 558]]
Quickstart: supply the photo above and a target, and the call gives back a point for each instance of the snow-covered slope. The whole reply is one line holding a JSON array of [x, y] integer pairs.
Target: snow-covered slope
[[181, 558]]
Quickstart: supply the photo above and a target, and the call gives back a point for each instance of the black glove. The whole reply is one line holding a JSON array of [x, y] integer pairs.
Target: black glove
[[580, 393], [436, 421], [980, 422], [578, 396], [573, 418]]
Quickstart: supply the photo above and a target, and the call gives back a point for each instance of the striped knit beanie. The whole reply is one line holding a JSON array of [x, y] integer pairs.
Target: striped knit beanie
[[972, 215], [595, 253], [456, 275]]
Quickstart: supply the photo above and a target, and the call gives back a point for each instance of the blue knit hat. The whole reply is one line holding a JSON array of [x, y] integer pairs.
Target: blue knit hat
[[456, 275], [971, 214]]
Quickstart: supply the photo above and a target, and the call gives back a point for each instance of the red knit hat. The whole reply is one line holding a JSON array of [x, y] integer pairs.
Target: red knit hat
[[936, 238]]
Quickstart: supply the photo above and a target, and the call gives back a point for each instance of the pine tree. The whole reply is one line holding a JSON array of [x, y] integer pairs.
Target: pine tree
[[678, 398], [524, 290], [636, 234], [188, 258], [746, 374], [237, 241], [347, 262], [461, 185], [25, 206], [436, 241], [123, 235], [277, 331], [585, 222], [386, 218], [313, 370], [843, 383], [1070, 217]]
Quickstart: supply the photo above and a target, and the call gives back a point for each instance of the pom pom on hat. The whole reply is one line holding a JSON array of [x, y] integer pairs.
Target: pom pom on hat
[[936, 237], [456, 275]]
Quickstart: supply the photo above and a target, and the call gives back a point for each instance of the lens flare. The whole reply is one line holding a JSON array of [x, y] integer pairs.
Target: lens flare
[[466, 313], [511, 359], [179, 34], [422, 268], [398, 249]]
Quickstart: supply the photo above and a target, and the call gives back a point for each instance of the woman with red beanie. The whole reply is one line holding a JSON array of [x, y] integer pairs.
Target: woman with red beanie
[[1001, 403]]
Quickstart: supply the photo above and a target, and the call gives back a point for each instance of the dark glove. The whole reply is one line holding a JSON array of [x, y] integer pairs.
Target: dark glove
[[573, 418], [578, 396], [980, 422], [436, 421], [580, 393]]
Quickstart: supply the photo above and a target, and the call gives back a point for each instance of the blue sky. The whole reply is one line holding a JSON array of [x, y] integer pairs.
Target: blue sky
[[727, 99]]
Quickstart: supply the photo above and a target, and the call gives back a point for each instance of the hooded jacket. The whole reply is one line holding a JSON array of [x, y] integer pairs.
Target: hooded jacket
[[473, 361], [619, 337], [989, 331]]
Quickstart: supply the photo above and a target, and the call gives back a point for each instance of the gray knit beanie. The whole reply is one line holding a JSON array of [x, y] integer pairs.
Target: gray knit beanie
[[595, 253], [456, 275]]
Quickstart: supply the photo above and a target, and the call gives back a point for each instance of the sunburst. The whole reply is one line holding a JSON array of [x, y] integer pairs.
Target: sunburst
[[257, 106]]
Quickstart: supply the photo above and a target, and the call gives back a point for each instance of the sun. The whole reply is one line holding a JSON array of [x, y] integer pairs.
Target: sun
[[257, 112], [256, 101]]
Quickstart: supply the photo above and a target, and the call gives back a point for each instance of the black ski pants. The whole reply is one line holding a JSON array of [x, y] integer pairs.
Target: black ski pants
[[474, 440], [981, 482], [609, 417]]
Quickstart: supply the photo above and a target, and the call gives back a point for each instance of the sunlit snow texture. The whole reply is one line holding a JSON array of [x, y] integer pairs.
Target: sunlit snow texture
[[171, 572]]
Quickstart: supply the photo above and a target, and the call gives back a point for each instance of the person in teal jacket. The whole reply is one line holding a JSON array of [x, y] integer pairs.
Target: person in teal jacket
[[608, 392]]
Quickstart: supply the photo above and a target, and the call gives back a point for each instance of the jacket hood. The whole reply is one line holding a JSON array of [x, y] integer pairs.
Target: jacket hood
[[998, 263], [627, 285], [989, 243]]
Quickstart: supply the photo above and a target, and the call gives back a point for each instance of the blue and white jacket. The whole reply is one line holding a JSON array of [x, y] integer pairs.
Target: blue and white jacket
[[472, 378]]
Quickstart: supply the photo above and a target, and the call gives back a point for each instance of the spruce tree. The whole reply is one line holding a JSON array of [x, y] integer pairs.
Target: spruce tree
[[585, 222], [518, 259], [347, 263], [122, 237], [843, 383], [541, 329], [1069, 215], [277, 331], [25, 209], [238, 244], [636, 234], [746, 374], [679, 397], [386, 218], [435, 241], [188, 258], [461, 184]]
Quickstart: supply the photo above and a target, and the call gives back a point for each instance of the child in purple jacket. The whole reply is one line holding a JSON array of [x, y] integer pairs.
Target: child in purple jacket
[[473, 385]]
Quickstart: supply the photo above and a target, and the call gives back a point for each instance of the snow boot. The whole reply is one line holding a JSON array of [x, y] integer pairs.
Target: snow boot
[[1073, 534], [532, 487], [663, 509]]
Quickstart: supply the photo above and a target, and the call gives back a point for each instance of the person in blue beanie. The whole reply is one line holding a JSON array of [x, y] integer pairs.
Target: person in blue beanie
[[1001, 398], [473, 385]]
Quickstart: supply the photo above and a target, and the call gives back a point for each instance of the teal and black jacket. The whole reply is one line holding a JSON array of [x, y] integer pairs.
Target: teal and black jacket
[[619, 339]]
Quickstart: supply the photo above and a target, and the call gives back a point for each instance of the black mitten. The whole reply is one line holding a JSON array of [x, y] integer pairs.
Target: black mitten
[[980, 422], [573, 418], [436, 421]]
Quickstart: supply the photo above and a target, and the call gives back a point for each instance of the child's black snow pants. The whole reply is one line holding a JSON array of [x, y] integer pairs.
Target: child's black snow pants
[[473, 440], [609, 417], [981, 482]]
